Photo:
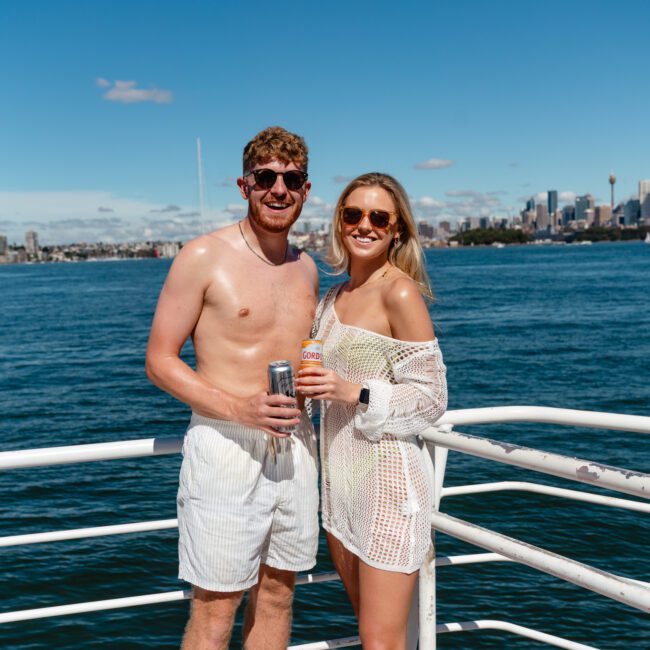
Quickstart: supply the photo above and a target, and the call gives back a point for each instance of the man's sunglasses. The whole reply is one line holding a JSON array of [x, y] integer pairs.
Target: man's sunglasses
[[265, 178], [379, 219]]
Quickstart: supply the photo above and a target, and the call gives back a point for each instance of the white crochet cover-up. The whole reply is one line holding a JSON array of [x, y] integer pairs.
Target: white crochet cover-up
[[376, 494]]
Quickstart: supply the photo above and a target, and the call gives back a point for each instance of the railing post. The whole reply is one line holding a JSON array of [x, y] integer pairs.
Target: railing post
[[427, 578]]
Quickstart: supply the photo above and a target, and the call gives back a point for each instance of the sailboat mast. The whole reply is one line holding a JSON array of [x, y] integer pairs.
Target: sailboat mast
[[199, 164]]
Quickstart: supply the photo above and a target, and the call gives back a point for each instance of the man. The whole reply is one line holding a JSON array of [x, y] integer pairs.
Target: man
[[247, 513]]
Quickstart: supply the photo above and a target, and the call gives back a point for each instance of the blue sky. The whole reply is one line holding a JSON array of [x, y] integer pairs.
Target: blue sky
[[102, 103]]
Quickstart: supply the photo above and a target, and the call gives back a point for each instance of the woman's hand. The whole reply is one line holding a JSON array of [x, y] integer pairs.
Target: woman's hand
[[322, 383]]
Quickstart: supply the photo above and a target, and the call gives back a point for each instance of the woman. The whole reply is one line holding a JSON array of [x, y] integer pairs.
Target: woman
[[383, 382]]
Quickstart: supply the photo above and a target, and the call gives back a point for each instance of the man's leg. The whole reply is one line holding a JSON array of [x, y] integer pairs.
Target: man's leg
[[211, 619], [267, 621]]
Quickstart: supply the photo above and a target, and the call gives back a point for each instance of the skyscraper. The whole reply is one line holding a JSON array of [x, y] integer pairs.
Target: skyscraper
[[542, 218], [425, 229], [602, 215], [644, 198], [3, 245], [631, 213], [552, 201], [584, 203], [530, 205], [568, 214], [31, 242]]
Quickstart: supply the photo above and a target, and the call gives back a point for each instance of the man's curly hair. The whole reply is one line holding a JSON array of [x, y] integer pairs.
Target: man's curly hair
[[277, 143]]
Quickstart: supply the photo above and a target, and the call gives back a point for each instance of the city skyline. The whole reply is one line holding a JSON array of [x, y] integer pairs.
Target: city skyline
[[470, 116]]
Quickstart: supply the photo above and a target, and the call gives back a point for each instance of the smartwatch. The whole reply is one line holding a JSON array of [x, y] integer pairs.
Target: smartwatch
[[364, 396]]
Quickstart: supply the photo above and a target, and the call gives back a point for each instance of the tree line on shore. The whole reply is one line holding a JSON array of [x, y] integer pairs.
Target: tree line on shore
[[489, 236]]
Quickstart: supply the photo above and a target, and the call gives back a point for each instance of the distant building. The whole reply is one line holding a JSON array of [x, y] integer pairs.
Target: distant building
[[484, 223], [618, 215], [551, 201], [530, 205], [445, 226], [528, 217], [602, 215], [31, 242], [425, 229], [542, 221], [584, 203], [168, 249], [632, 212], [644, 198], [3, 246], [568, 214], [589, 216]]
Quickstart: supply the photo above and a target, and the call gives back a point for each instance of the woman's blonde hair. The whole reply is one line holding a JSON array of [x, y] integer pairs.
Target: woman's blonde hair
[[405, 253]]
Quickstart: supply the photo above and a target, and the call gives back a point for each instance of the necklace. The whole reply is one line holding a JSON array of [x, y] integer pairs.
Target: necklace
[[252, 250], [372, 279]]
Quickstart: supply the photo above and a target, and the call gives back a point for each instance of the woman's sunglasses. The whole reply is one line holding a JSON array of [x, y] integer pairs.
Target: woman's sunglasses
[[265, 178], [379, 219]]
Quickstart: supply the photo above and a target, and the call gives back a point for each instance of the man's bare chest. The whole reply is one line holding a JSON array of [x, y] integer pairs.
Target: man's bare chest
[[254, 303]]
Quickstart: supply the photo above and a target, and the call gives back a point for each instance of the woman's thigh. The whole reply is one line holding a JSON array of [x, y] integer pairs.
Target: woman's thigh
[[384, 603], [347, 566]]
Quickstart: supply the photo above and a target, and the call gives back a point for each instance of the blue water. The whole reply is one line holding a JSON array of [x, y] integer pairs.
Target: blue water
[[556, 326]]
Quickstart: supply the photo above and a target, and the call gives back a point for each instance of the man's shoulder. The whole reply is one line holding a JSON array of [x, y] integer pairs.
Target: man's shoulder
[[205, 247]]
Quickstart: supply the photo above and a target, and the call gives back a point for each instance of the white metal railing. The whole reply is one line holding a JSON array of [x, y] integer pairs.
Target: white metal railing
[[439, 439]]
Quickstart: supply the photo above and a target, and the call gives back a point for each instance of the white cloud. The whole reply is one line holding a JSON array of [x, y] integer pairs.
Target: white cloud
[[565, 197], [427, 202], [236, 208], [127, 92], [168, 208], [341, 179], [315, 200], [434, 163], [463, 193], [471, 199], [65, 217]]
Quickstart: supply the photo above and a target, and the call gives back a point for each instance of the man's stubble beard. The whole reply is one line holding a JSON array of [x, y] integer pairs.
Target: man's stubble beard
[[273, 225]]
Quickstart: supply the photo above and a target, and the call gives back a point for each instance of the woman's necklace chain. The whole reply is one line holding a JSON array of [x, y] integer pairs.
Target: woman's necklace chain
[[252, 250], [372, 279]]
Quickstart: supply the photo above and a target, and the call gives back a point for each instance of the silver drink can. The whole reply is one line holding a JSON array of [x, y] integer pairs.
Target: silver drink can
[[281, 383]]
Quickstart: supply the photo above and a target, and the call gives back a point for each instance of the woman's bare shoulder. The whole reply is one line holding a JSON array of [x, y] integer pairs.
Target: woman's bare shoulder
[[407, 312]]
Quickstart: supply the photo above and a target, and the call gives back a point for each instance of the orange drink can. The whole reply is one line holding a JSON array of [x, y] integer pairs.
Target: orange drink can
[[312, 353]]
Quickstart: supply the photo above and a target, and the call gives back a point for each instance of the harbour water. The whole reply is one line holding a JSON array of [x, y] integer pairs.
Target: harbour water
[[563, 326]]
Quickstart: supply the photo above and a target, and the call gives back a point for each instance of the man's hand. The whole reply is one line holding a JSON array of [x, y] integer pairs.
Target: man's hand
[[323, 383], [267, 412]]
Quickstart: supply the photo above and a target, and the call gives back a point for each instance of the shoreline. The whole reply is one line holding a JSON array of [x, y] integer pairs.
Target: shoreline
[[319, 251]]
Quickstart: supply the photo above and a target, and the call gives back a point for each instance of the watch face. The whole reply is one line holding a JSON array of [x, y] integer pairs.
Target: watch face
[[364, 396]]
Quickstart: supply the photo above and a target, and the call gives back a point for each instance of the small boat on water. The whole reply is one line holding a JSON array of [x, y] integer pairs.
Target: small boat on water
[[647, 238]]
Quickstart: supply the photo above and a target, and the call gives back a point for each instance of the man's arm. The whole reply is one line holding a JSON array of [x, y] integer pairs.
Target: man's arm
[[179, 308]]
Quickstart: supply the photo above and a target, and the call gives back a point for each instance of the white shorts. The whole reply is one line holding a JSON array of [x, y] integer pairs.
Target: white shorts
[[237, 508]]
